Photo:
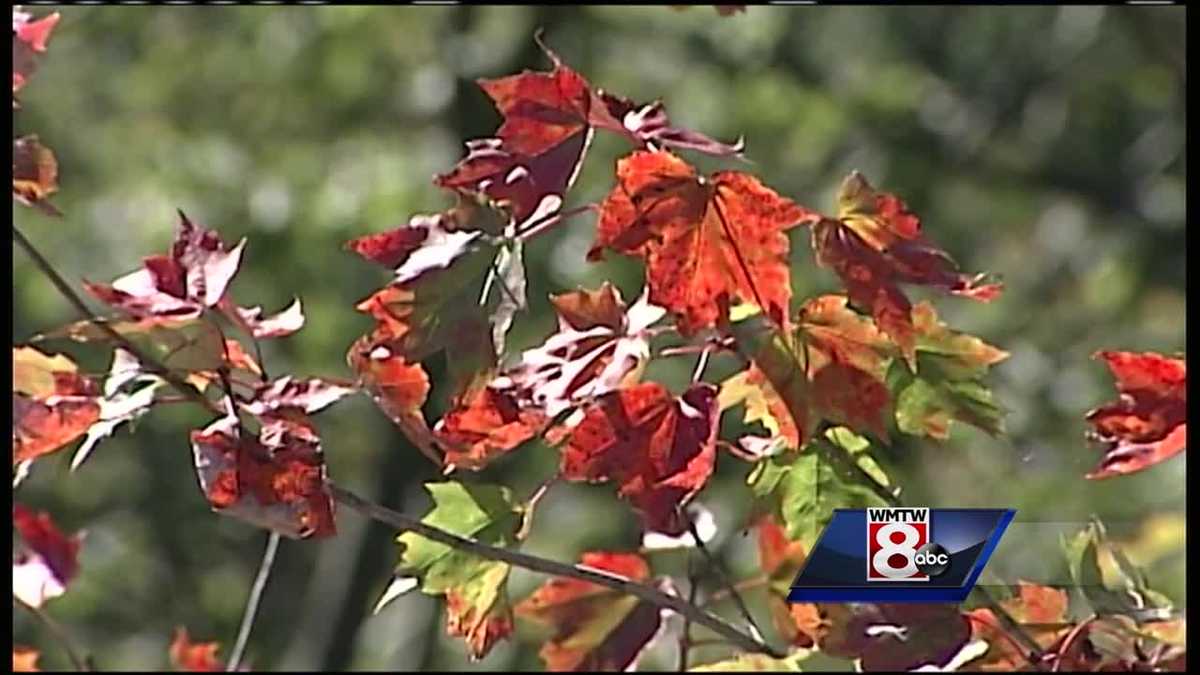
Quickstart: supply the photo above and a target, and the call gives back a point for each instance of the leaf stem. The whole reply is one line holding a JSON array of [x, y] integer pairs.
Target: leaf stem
[[80, 660], [252, 602], [533, 563]]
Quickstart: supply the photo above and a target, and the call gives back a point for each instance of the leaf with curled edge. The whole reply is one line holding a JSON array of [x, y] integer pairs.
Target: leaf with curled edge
[[874, 244], [194, 657], [893, 637], [29, 41], [53, 405], [659, 449], [948, 384], [1041, 611], [600, 346], [47, 561], [594, 627], [194, 275], [1148, 423], [35, 174], [477, 606], [455, 290], [275, 480], [128, 394], [707, 242]]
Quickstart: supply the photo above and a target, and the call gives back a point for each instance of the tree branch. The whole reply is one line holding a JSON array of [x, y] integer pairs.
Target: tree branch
[[651, 595], [256, 591], [81, 661]]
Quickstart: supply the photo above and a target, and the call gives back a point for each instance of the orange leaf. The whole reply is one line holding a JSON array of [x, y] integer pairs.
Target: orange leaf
[[706, 241], [195, 657], [1042, 613], [658, 448], [488, 423], [874, 245], [53, 404], [1148, 424], [25, 659], [595, 628]]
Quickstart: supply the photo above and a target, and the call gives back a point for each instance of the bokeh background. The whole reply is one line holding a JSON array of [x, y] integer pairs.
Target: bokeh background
[[1046, 145]]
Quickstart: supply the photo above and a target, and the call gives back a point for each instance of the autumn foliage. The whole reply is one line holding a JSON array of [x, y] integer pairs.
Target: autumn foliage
[[835, 375]]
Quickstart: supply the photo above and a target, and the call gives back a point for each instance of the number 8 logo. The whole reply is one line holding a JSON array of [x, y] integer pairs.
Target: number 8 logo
[[881, 561]]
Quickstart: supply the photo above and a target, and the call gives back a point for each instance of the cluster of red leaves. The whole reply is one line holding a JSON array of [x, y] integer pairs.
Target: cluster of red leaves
[[1148, 424], [35, 170]]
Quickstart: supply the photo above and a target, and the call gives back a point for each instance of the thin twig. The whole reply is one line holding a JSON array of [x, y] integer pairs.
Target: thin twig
[[544, 223], [685, 636], [78, 658], [726, 584], [607, 579], [69, 293], [256, 591], [741, 586]]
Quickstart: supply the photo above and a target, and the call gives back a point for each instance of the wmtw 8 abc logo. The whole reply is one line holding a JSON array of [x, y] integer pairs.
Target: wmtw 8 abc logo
[[899, 546], [900, 555]]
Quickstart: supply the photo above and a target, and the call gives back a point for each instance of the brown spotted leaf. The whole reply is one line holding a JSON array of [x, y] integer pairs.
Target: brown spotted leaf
[[275, 481]]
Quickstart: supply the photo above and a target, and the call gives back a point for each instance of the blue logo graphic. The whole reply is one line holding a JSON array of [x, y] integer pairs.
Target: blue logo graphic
[[900, 555]]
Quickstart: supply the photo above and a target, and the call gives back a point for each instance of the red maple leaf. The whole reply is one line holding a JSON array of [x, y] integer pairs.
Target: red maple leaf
[[874, 244], [595, 628], [194, 657], [658, 448], [484, 425], [48, 561], [706, 241], [549, 119], [1148, 424]]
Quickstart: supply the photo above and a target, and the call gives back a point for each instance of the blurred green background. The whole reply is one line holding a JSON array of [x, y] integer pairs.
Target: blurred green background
[[1043, 144]]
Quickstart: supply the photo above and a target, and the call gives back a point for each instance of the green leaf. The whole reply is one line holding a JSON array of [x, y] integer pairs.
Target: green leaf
[[806, 488], [475, 588], [1130, 592], [948, 383]]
